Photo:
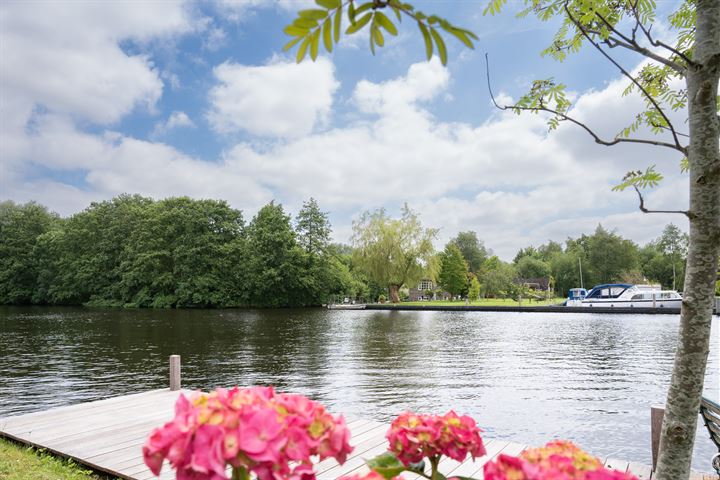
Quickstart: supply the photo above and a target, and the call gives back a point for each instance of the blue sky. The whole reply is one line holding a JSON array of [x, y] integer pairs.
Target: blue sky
[[197, 98]]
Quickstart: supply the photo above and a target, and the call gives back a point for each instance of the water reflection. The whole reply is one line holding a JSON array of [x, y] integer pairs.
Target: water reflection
[[524, 377]]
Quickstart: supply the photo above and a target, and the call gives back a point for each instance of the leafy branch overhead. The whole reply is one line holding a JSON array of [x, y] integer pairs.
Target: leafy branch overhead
[[326, 23]]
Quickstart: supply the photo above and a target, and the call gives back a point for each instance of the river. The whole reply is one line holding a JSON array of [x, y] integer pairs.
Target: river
[[526, 377]]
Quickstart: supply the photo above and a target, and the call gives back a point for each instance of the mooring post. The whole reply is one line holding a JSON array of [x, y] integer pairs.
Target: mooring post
[[657, 412], [174, 372]]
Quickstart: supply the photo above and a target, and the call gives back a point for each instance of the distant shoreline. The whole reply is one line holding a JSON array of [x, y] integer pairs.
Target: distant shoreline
[[487, 308]]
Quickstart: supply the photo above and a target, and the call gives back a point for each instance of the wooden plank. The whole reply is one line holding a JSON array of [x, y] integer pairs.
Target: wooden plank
[[70, 411], [470, 467], [615, 464], [643, 472]]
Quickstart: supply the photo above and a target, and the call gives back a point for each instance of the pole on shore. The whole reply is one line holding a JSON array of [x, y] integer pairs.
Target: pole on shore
[[657, 412], [174, 372]]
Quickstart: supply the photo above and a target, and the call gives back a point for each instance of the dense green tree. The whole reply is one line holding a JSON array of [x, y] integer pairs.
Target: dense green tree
[[474, 289], [393, 252], [20, 228], [473, 250], [565, 268], [529, 267], [313, 228], [276, 261], [674, 244], [453, 270], [179, 254], [609, 256], [497, 277], [546, 251]]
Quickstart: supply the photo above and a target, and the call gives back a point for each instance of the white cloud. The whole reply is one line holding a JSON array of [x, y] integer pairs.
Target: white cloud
[[506, 178], [175, 120], [216, 38], [66, 58], [280, 99]]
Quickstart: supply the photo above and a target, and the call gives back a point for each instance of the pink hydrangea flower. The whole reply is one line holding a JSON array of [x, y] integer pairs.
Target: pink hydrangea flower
[[558, 460], [413, 437], [271, 435]]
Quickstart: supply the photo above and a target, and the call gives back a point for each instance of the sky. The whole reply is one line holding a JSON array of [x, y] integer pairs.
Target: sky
[[197, 98]]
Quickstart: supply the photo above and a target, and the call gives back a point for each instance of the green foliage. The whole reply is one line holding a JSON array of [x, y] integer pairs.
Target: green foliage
[[529, 267], [387, 465], [609, 255], [453, 270], [497, 277], [313, 228], [393, 252], [640, 179], [23, 463], [178, 252], [474, 289], [309, 25], [20, 228], [473, 250]]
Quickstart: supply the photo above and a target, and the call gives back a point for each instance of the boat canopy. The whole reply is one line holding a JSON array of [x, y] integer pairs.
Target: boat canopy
[[608, 290]]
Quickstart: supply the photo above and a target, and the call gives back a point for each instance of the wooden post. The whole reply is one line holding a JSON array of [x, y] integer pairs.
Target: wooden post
[[657, 412], [174, 372]]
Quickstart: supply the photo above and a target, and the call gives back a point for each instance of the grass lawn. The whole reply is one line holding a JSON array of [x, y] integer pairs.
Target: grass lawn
[[487, 302], [18, 462]]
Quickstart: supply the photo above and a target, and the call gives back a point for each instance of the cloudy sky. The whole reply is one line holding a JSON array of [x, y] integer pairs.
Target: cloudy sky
[[197, 98]]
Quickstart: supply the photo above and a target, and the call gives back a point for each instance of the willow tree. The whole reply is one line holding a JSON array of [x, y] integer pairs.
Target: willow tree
[[393, 252], [679, 75]]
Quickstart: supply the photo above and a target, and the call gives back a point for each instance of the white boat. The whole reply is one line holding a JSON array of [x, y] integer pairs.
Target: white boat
[[629, 296]]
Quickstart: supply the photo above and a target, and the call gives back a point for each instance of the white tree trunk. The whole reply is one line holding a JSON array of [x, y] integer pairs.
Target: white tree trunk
[[683, 399]]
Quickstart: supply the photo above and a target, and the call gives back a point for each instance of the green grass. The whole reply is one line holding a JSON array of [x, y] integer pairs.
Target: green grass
[[18, 462], [487, 302]]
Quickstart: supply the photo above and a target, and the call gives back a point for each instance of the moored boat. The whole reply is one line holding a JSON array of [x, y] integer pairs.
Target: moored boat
[[628, 295]]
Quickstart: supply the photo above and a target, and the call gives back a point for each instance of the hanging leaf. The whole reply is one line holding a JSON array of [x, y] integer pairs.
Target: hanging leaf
[[327, 34], [377, 35], [314, 44], [294, 31], [337, 25], [359, 24], [442, 51], [303, 48], [291, 43], [385, 22], [306, 23], [428, 40], [329, 4], [313, 14]]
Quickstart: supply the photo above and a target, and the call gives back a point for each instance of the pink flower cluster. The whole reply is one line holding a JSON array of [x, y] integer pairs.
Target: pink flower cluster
[[558, 460], [251, 429], [413, 437]]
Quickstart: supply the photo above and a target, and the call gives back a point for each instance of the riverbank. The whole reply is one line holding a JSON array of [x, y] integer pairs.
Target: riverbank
[[19, 462]]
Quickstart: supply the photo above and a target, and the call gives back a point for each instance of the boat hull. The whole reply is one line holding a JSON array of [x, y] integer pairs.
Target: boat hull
[[658, 303]]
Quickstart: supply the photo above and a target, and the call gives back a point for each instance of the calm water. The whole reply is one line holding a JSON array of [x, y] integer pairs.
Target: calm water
[[523, 376]]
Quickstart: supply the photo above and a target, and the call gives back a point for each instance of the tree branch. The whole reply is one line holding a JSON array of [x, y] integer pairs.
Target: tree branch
[[645, 210], [564, 116], [631, 43], [585, 34], [657, 43]]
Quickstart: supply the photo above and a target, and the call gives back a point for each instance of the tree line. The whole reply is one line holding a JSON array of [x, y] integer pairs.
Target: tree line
[[133, 251]]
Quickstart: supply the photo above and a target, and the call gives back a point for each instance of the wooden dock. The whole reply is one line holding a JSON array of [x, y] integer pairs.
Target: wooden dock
[[107, 435]]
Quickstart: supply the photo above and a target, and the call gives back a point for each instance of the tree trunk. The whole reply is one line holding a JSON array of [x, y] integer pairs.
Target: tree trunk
[[394, 296], [686, 385]]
